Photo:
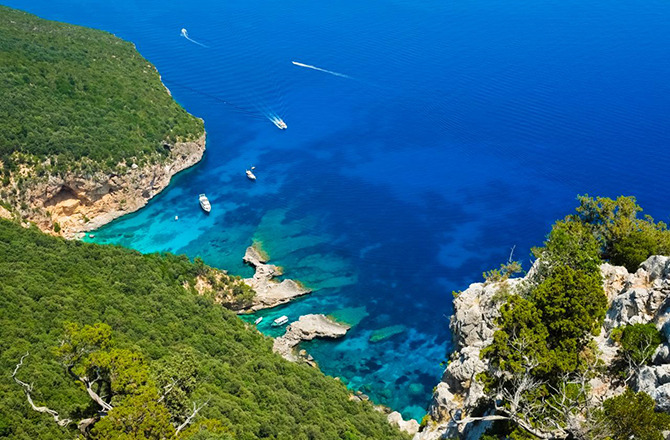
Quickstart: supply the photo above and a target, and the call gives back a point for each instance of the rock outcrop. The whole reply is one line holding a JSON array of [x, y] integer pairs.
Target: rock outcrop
[[269, 292], [472, 325], [641, 297], [307, 328], [410, 426], [79, 202]]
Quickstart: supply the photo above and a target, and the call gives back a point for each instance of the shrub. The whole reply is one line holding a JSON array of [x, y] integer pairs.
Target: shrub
[[639, 342], [631, 416]]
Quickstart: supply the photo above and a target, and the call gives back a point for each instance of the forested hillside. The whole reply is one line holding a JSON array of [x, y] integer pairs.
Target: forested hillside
[[107, 322], [69, 92]]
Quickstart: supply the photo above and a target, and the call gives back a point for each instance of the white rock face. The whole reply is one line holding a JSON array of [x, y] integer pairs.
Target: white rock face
[[81, 202], [411, 426], [269, 292], [473, 325], [641, 297], [307, 328]]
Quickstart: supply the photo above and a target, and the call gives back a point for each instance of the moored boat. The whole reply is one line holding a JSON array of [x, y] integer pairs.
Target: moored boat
[[204, 203], [258, 321], [280, 321]]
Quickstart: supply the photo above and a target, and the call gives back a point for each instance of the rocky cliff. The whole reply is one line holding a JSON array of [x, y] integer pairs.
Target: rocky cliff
[[77, 202], [640, 297]]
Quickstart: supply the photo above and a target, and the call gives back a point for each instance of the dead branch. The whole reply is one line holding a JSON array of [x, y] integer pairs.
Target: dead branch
[[190, 418], [93, 395], [169, 387], [28, 389]]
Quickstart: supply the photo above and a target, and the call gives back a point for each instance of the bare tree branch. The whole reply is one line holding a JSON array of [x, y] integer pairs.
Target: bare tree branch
[[93, 395], [28, 389], [190, 418], [169, 387]]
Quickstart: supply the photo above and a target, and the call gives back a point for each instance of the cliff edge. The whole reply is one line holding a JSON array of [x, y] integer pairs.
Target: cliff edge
[[633, 298]]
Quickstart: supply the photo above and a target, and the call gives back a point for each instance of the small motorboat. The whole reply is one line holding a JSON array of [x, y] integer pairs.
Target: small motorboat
[[258, 321], [204, 203], [279, 122], [280, 321], [250, 174]]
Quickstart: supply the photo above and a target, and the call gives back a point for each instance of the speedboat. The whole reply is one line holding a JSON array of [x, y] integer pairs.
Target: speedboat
[[258, 321], [250, 174], [204, 203], [280, 321], [279, 122]]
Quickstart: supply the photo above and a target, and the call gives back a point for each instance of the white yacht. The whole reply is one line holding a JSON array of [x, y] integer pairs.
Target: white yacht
[[250, 174], [280, 321], [258, 321], [279, 122], [204, 203]]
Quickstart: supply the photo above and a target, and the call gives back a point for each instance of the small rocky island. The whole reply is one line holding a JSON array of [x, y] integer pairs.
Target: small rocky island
[[307, 328], [269, 292]]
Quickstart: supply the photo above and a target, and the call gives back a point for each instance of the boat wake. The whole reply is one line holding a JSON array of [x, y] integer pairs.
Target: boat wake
[[272, 117], [184, 33], [308, 66]]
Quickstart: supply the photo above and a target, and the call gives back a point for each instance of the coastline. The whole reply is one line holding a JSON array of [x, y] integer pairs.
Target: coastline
[[74, 204]]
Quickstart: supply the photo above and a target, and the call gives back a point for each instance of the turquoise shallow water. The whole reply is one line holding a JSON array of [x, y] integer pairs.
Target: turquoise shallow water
[[463, 129]]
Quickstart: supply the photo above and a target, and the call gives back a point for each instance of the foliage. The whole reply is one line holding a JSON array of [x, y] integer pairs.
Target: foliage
[[639, 342], [631, 416], [160, 331], [572, 305], [624, 238], [505, 271], [571, 244], [551, 324], [78, 98]]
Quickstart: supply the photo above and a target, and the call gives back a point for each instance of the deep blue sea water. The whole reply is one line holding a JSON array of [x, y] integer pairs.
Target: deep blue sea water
[[463, 128]]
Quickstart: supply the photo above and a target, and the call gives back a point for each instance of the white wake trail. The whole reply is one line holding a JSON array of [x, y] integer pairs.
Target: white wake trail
[[308, 66], [184, 33]]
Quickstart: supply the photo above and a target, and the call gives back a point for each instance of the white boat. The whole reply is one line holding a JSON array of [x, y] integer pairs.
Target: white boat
[[204, 203], [258, 321], [279, 122], [280, 321], [251, 175]]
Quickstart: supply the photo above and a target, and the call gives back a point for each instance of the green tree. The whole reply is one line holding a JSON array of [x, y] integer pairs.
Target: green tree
[[572, 304], [624, 238], [638, 344], [631, 416]]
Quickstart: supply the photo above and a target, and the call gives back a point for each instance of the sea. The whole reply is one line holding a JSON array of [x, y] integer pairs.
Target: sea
[[426, 141]]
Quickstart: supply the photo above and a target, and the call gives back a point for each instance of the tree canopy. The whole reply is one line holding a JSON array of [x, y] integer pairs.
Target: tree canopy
[[79, 98], [128, 317]]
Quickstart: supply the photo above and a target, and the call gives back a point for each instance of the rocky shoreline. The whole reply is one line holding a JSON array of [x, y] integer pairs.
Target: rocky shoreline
[[306, 328], [269, 292], [74, 203], [634, 298]]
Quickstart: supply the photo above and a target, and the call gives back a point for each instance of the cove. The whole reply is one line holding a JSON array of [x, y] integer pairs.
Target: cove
[[459, 130]]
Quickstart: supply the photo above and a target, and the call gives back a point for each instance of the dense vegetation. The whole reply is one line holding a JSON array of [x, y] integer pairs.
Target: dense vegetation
[[124, 324], [543, 356], [68, 93]]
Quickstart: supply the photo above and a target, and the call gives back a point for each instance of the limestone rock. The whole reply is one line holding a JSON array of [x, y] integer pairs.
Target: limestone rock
[[269, 292], [410, 426], [307, 328], [80, 201], [641, 297]]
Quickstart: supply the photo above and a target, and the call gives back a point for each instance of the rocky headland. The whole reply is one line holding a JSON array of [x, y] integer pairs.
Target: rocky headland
[[633, 298], [75, 202], [269, 292], [306, 328]]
